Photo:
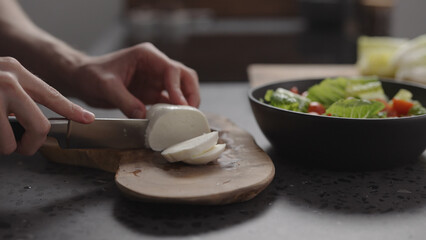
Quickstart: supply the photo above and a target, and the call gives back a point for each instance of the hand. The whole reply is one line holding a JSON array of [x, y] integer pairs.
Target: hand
[[19, 92], [130, 78]]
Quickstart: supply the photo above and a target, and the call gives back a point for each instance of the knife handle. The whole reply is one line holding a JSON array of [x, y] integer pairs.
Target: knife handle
[[58, 129], [17, 128]]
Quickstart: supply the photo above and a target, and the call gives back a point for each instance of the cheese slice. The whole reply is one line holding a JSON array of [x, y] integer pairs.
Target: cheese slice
[[204, 158], [172, 124], [192, 147]]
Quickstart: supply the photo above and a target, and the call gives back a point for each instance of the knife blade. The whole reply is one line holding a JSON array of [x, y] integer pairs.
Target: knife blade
[[116, 133]]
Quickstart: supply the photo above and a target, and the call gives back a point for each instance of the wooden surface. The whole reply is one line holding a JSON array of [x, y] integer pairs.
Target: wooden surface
[[105, 159], [241, 173], [260, 74]]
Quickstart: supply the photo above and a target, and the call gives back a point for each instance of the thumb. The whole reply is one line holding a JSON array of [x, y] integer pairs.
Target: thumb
[[131, 106]]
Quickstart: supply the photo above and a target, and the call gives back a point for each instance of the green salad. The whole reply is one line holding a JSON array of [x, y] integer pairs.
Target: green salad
[[358, 97]]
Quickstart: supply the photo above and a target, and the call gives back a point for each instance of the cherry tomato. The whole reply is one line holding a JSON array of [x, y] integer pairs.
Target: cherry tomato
[[316, 107], [390, 112], [401, 107], [294, 90]]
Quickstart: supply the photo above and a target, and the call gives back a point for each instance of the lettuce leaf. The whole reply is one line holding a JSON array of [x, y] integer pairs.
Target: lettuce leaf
[[404, 94], [268, 95], [288, 100], [355, 108], [328, 91], [331, 90], [365, 88], [417, 109]]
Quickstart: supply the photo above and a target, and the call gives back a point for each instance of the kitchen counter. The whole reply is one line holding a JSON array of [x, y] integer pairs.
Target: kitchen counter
[[45, 200]]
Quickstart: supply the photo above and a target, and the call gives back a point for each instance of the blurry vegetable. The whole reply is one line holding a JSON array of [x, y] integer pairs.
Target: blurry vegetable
[[403, 94], [328, 91], [368, 87], [393, 57], [355, 108], [417, 109], [375, 55], [412, 73], [403, 104], [331, 90], [356, 97], [295, 90], [412, 66], [316, 107], [388, 110], [404, 54], [410, 60], [285, 99], [268, 95], [402, 107]]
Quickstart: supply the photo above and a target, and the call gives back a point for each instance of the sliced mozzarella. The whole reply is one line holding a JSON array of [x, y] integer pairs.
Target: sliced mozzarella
[[204, 158], [192, 147], [172, 124]]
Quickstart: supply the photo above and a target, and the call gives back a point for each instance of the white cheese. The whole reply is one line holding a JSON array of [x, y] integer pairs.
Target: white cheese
[[192, 147], [172, 124], [204, 158]]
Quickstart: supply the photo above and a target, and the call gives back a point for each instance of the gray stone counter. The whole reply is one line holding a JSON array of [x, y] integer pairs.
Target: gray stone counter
[[44, 200]]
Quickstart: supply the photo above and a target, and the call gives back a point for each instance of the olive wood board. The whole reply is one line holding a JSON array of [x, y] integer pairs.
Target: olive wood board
[[260, 74], [241, 173]]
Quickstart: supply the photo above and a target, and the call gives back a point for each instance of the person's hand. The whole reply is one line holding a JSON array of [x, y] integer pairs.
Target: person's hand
[[130, 78], [19, 92]]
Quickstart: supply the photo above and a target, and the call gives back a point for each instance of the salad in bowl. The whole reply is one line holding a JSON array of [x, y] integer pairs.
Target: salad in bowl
[[355, 97], [346, 123]]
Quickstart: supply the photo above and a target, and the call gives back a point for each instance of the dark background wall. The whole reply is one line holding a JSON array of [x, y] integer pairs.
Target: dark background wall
[[220, 38]]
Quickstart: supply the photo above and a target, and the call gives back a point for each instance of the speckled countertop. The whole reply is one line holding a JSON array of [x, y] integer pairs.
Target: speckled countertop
[[44, 200]]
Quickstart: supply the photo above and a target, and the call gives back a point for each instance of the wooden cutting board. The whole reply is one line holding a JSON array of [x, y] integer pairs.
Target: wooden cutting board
[[241, 173], [260, 74]]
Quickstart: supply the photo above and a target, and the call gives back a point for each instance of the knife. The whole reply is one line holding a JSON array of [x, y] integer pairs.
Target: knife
[[117, 133]]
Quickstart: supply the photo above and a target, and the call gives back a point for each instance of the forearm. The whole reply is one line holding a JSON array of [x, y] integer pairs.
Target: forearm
[[48, 57]]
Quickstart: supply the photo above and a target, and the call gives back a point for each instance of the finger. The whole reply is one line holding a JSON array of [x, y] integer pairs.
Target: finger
[[17, 101], [7, 139], [32, 120], [33, 139], [159, 63], [120, 96], [164, 97], [190, 86], [173, 85], [46, 95]]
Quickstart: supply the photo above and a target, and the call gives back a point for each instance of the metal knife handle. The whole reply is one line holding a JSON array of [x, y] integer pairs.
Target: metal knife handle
[[58, 129]]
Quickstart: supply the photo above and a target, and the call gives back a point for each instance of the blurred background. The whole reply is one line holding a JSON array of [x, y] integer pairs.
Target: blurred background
[[220, 38]]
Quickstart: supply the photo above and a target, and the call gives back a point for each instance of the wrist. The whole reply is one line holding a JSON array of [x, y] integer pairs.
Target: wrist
[[47, 57], [61, 63]]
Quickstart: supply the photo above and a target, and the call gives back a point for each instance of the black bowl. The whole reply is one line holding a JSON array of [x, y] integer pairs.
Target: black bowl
[[341, 143]]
